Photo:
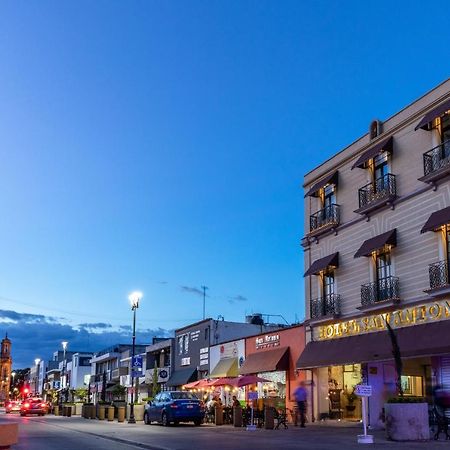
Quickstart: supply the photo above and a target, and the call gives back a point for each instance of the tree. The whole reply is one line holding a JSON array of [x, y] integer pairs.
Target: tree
[[119, 391], [155, 385], [397, 357], [80, 393]]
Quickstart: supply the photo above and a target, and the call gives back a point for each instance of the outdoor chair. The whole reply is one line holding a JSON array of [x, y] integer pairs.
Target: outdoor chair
[[336, 410], [281, 418]]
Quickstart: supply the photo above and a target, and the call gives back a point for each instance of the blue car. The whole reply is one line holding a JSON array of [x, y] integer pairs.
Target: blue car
[[174, 407]]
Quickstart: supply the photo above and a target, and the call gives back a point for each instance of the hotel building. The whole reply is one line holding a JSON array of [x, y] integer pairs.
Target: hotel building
[[377, 249]]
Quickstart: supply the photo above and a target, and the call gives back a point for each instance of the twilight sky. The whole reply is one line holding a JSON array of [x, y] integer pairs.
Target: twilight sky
[[161, 145]]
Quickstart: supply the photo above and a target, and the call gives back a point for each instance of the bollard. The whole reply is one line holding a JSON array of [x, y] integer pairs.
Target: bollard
[[218, 416], [120, 413], [237, 416], [101, 412], [56, 410], [92, 412], [9, 434], [110, 412], [269, 418], [69, 411]]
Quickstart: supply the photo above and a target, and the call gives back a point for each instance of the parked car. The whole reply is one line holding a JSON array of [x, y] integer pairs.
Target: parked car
[[12, 406], [174, 407], [33, 406]]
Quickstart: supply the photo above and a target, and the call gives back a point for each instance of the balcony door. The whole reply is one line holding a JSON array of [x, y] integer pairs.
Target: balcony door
[[445, 135], [328, 291], [381, 170], [329, 199], [384, 273]]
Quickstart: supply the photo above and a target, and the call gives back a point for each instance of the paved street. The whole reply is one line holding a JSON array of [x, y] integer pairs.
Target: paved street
[[56, 433]]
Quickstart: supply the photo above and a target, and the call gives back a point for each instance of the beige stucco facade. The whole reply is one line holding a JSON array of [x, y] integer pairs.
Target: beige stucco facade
[[407, 211]]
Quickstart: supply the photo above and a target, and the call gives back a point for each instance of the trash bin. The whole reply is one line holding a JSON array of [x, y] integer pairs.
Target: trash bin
[[237, 416], [69, 411], [269, 418], [218, 416], [101, 412], [110, 412], [120, 413]]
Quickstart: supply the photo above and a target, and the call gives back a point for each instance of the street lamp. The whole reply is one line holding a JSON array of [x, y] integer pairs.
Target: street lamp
[[64, 346], [36, 362], [134, 298]]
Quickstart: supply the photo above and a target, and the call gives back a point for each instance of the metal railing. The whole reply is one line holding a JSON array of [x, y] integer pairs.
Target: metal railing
[[436, 158], [382, 188], [438, 274], [326, 216], [330, 305], [379, 291]]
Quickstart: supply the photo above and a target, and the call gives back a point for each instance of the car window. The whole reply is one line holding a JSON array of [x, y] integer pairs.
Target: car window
[[157, 397], [183, 396]]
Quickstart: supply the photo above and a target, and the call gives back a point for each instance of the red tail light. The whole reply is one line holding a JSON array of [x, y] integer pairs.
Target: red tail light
[[43, 405], [26, 405], [9, 405], [202, 405], [174, 406]]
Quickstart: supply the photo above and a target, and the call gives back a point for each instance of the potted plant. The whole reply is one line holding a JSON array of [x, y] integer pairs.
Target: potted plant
[[351, 397], [406, 416]]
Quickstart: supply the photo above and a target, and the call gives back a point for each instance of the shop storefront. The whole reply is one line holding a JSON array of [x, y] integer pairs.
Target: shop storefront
[[343, 354], [273, 356]]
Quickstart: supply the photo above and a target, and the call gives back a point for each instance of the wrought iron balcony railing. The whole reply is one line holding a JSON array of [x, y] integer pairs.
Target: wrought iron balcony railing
[[437, 158], [438, 274], [382, 189], [330, 305], [327, 217], [380, 291]]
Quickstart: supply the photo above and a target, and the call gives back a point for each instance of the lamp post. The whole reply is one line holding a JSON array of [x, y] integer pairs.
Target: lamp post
[[36, 362], [134, 298], [63, 375]]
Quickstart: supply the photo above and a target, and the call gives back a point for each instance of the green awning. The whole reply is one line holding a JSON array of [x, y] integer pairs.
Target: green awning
[[226, 367]]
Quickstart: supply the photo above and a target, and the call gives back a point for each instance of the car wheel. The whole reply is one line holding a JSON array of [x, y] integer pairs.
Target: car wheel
[[176, 422], [198, 422], [164, 420], [23, 414]]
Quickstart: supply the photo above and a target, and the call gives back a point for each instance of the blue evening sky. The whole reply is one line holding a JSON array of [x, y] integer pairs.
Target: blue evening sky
[[161, 145]]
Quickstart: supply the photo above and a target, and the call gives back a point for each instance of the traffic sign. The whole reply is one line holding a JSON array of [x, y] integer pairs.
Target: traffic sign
[[363, 390], [137, 361]]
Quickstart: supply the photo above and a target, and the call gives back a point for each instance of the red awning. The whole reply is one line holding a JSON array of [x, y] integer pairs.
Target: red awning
[[377, 242], [329, 179], [436, 220], [266, 361], [323, 263], [383, 146], [418, 340], [430, 116]]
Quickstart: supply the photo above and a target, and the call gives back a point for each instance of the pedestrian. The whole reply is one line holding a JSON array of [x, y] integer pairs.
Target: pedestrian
[[300, 398]]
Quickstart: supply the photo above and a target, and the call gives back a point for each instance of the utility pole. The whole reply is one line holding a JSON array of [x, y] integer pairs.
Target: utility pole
[[204, 301]]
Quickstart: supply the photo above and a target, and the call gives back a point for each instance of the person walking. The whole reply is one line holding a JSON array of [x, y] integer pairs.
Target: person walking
[[300, 397]]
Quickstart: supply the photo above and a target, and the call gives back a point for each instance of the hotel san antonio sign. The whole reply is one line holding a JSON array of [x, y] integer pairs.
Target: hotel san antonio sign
[[414, 315]]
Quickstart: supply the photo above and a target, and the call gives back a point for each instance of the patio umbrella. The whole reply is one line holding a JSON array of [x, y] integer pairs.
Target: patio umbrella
[[241, 381], [197, 384]]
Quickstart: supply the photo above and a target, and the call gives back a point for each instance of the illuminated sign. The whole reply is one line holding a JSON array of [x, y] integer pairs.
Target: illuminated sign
[[269, 340], [431, 312]]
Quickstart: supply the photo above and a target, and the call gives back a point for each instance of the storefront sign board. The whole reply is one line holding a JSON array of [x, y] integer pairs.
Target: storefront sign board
[[363, 390], [414, 315]]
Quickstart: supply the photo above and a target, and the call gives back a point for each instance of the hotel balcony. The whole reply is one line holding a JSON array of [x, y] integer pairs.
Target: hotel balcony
[[381, 192], [382, 290], [439, 280], [328, 306], [324, 220], [436, 163]]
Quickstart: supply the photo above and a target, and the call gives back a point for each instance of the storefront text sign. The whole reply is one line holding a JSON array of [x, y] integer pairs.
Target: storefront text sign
[[414, 315], [269, 340]]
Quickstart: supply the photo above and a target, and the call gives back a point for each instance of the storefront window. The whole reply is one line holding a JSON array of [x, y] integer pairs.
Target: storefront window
[[275, 387], [412, 385]]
